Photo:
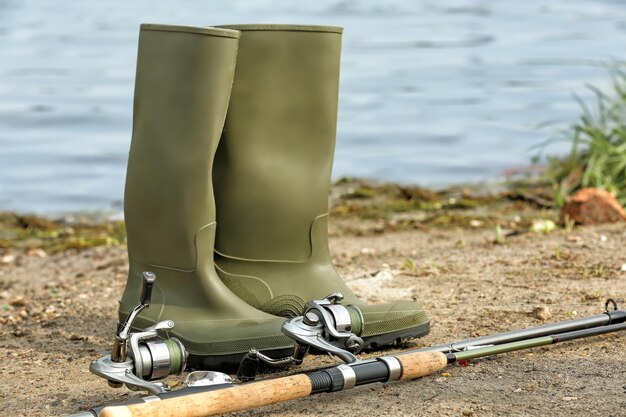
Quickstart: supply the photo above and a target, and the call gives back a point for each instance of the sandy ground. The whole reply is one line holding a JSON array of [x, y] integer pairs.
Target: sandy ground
[[58, 312]]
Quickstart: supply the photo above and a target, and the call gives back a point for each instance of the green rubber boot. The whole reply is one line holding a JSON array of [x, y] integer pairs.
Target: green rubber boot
[[183, 83], [272, 178]]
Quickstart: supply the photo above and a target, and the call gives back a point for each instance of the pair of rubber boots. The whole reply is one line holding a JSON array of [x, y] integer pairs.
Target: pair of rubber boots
[[267, 95]]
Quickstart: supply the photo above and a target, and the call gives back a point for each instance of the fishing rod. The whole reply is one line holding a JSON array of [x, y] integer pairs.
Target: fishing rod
[[227, 397], [324, 326]]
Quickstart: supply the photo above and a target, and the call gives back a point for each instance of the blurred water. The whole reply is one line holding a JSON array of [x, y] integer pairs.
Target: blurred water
[[432, 92]]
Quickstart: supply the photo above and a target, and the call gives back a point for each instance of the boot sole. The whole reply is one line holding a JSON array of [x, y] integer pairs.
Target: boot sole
[[230, 363], [395, 338]]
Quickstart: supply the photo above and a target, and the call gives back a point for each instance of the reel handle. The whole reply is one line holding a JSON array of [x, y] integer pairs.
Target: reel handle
[[146, 289]]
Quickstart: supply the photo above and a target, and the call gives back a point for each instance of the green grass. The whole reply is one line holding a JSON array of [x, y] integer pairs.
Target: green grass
[[598, 154]]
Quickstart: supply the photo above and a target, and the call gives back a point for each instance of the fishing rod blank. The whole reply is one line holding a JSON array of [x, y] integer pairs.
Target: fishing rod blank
[[614, 316]]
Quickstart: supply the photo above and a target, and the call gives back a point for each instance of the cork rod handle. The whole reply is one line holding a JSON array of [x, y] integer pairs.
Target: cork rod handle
[[257, 394], [211, 403], [415, 365]]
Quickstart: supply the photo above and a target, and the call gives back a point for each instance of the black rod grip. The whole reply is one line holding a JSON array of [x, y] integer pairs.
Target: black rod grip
[[331, 379]]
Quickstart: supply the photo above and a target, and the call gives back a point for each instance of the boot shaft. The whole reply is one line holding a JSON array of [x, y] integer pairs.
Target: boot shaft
[[183, 82], [182, 88], [272, 179], [273, 165]]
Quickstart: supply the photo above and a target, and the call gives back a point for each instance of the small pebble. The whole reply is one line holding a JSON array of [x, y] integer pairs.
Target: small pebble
[[7, 259], [542, 226], [575, 239], [18, 301], [542, 313], [39, 253]]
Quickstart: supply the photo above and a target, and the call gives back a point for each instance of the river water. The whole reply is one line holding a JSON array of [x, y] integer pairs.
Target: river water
[[432, 92]]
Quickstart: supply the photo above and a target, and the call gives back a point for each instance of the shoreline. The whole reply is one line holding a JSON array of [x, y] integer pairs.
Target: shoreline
[[356, 207]]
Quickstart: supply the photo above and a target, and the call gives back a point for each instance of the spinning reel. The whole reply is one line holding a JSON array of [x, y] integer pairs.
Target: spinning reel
[[141, 357], [324, 326]]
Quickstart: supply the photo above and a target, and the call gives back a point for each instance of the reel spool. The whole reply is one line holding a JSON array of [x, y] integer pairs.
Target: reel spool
[[157, 358]]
